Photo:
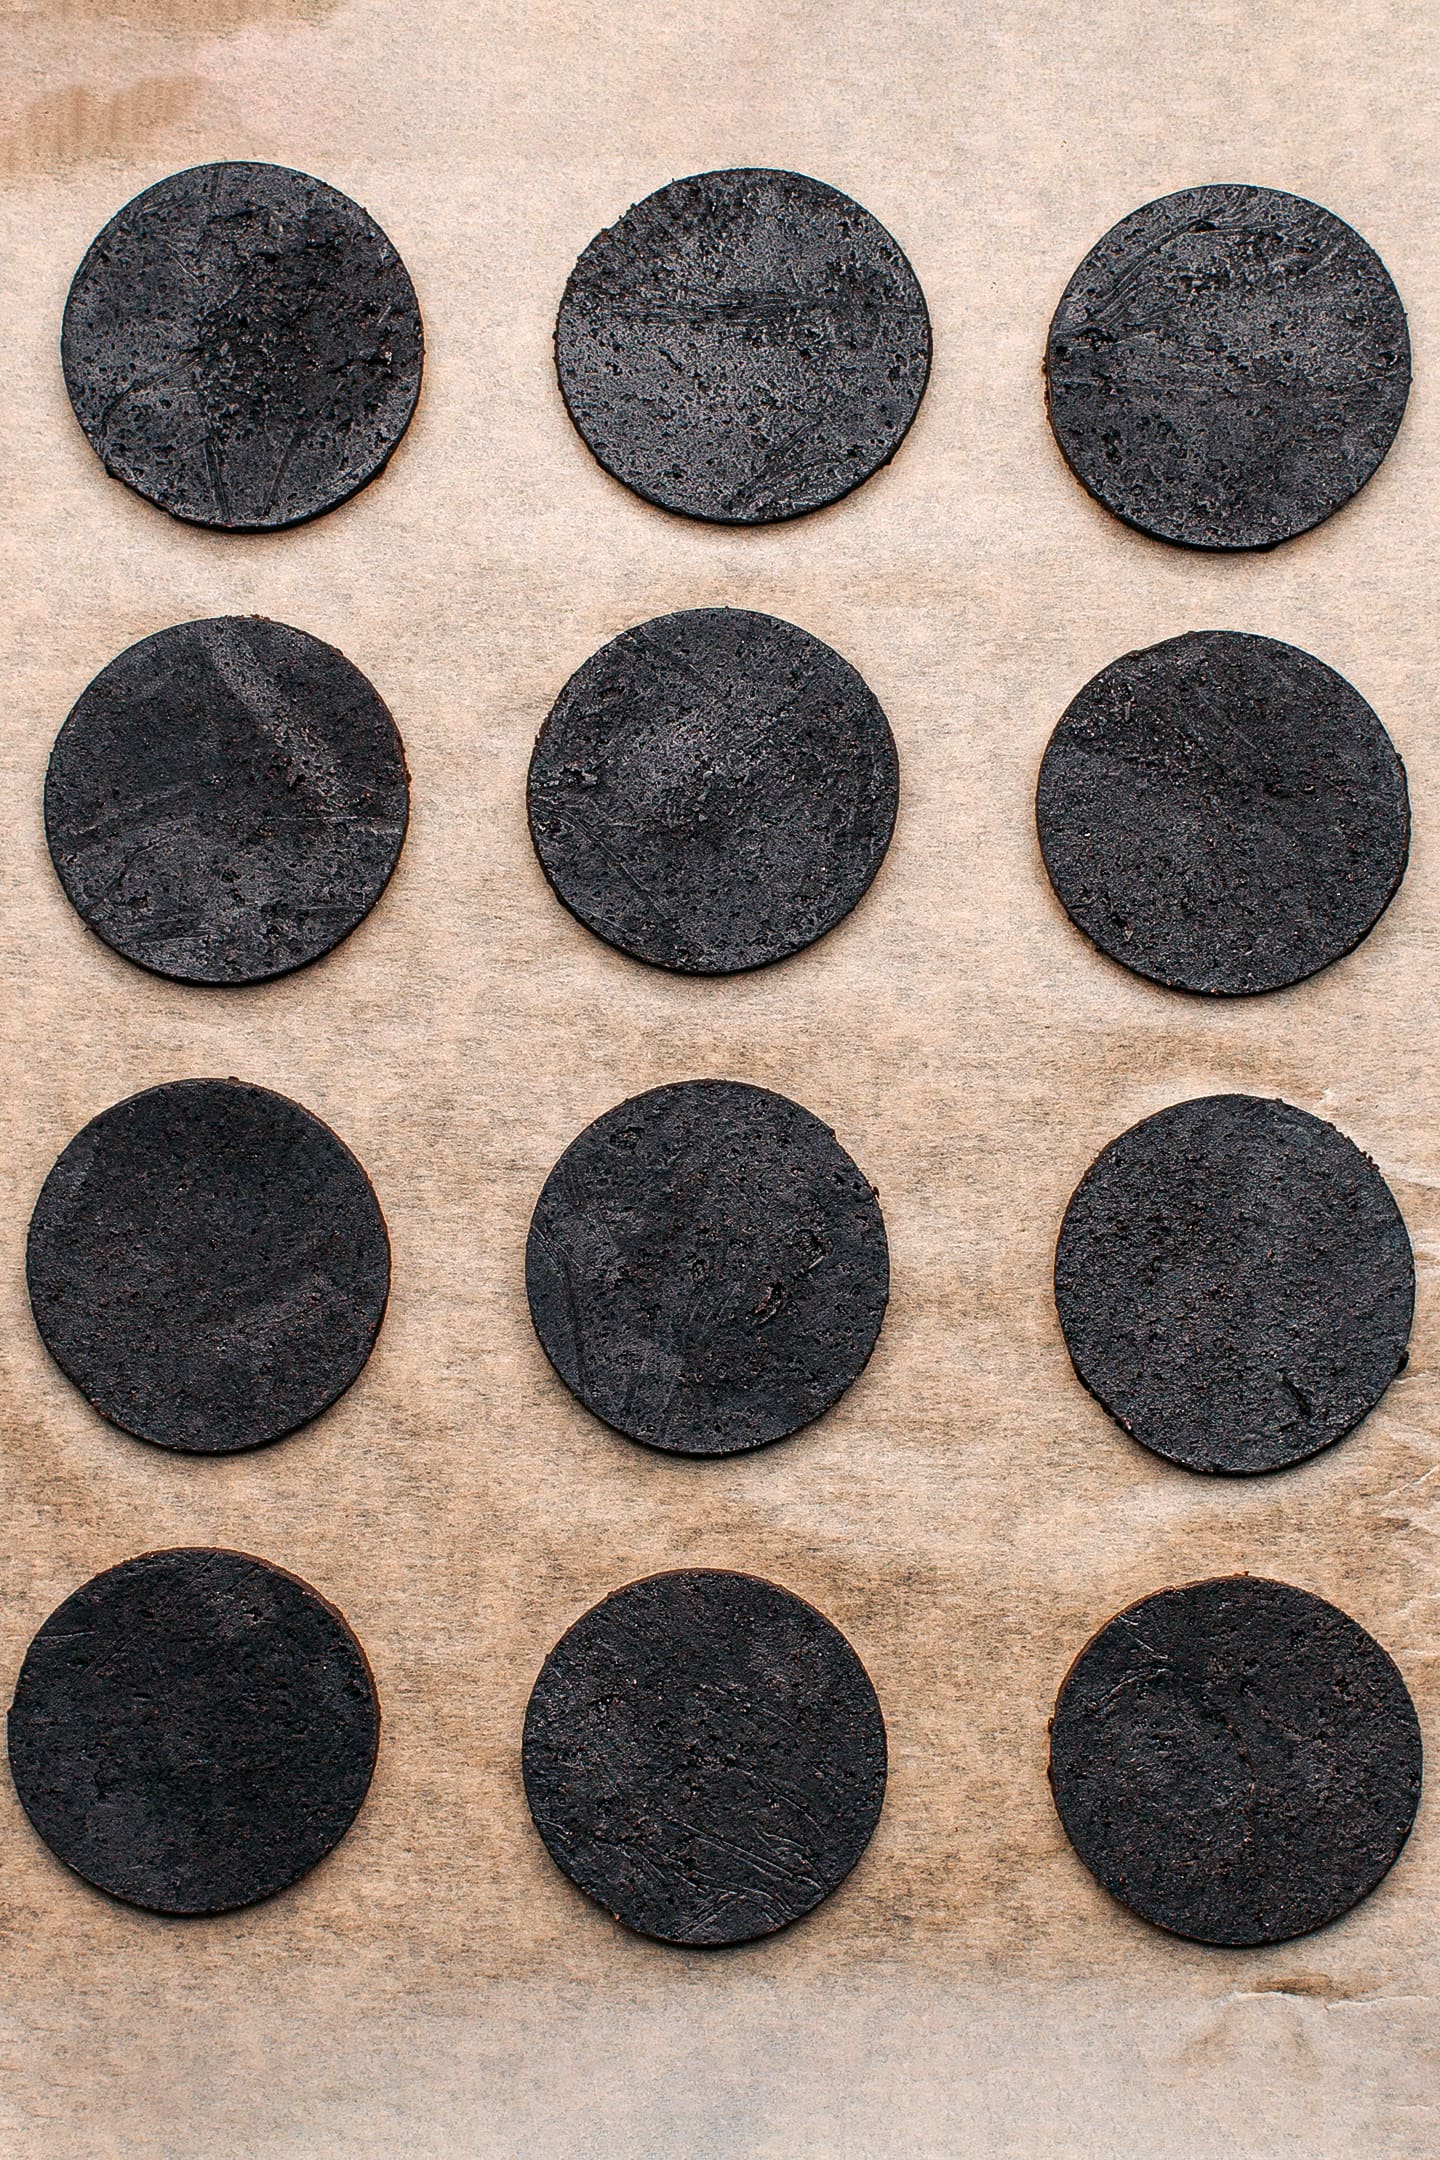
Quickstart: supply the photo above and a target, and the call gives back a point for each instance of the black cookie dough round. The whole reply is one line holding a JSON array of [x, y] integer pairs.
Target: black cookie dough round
[[713, 790], [1223, 813], [193, 1730], [743, 346], [1235, 1283], [704, 1755], [208, 1263], [1236, 1760], [242, 346], [1227, 367], [707, 1269], [226, 801]]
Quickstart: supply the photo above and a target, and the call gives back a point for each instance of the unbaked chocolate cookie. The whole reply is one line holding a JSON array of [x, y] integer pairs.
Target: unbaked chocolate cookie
[[1227, 367], [1235, 1283], [226, 801], [704, 1756], [1236, 1760], [208, 1263], [707, 1268], [1222, 813], [193, 1730], [713, 790], [242, 346], [743, 346]]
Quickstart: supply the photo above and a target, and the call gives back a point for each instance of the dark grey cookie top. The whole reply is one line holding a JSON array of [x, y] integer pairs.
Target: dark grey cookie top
[[707, 1268], [226, 801], [242, 346], [743, 346], [208, 1263], [704, 1756], [1235, 1283], [713, 790], [1236, 1761], [1222, 813], [1227, 366], [192, 1730]]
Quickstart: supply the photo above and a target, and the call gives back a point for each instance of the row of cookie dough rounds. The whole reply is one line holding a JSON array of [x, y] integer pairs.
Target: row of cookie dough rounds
[[704, 1754], [716, 789], [242, 345], [708, 1271]]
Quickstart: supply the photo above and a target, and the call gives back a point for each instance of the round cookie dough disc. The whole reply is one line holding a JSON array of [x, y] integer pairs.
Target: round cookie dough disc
[[226, 801], [713, 790], [1236, 1761], [192, 1730], [1223, 813], [743, 346], [1235, 1283], [208, 1263], [1227, 367], [704, 1756], [707, 1268], [242, 346]]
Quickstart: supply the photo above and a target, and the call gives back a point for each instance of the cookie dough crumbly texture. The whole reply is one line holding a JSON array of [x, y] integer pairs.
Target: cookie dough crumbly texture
[[704, 1755], [1236, 1760], [1223, 813], [1227, 367], [714, 790], [226, 801], [707, 1269], [209, 1264], [242, 346], [743, 346], [1235, 1283], [193, 1730]]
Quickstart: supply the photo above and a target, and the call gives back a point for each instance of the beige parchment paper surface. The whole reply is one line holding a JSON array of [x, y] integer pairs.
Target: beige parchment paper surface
[[967, 1514]]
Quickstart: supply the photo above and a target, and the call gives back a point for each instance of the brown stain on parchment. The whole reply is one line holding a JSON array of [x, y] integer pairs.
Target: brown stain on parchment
[[174, 18], [74, 124]]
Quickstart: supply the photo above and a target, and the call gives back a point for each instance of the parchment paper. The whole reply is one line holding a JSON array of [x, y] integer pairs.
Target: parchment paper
[[968, 1515]]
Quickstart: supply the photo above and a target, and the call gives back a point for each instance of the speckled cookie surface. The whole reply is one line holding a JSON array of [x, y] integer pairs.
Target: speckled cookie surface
[[707, 1268], [1235, 1283], [242, 346], [704, 1755], [743, 346], [1227, 366], [713, 790], [226, 801], [1223, 813], [193, 1730], [1237, 1760], [208, 1263]]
